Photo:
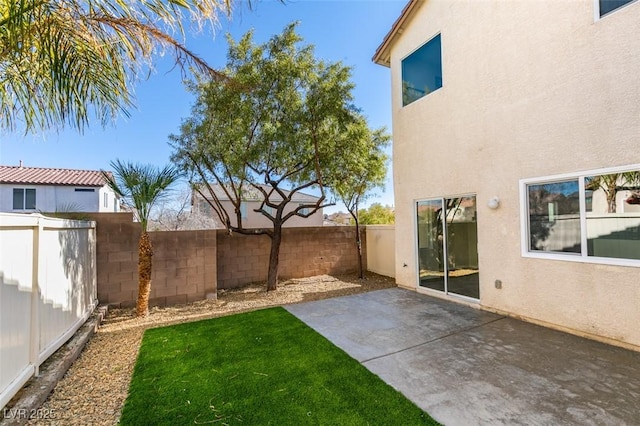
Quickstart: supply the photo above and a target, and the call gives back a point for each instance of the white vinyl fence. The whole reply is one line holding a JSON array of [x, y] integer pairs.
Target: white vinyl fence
[[47, 291]]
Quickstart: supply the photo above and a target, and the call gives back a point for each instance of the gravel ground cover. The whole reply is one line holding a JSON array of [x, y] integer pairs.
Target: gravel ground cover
[[96, 386]]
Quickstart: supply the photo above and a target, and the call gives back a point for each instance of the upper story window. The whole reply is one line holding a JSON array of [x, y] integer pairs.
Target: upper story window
[[24, 199], [422, 71], [588, 217], [106, 200], [607, 6], [303, 211], [202, 206]]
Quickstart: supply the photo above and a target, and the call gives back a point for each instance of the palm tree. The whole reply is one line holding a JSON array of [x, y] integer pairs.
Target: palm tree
[[62, 60], [140, 187], [612, 183]]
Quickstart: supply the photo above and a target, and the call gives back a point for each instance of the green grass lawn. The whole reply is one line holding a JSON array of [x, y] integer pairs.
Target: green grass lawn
[[256, 368]]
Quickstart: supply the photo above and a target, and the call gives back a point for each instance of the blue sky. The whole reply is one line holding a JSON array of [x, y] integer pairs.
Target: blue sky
[[347, 31]]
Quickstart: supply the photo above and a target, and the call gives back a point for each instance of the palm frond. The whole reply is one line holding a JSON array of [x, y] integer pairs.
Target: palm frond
[[63, 61], [140, 186]]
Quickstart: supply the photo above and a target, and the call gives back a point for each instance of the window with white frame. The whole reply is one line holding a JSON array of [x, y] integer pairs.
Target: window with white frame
[[608, 6], [592, 216], [24, 199], [106, 200]]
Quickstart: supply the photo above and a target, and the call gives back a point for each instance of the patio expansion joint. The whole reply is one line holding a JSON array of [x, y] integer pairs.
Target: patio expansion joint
[[444, 336]]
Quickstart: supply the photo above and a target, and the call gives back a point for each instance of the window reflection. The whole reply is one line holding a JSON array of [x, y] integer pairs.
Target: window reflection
[[448, 245], [430, 244], [462, 243], [606, 214], [422, 71], [613, 224], [554, 217], [607, 6]]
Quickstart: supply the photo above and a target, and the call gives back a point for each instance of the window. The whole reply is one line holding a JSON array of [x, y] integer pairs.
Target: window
[[243, 210], [24, 199], [588, 200], [422, 71], [607, 6], [106, 199], [303, 211], [85, 190], [448, 245], [554, 217], [591, 217], [203, 207]]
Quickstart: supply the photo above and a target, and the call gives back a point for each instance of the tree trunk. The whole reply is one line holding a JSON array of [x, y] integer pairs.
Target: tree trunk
[[359, 246], [612, 191], [611, 202], [145, 254], [274, 257]]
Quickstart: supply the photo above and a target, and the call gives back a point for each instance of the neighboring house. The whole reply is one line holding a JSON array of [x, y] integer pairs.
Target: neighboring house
[[504, 113], [250, 203], [37, 189]]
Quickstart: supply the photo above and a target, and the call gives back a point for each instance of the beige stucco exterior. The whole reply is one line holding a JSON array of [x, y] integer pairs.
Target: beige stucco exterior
[[530, 89], [251, 218]]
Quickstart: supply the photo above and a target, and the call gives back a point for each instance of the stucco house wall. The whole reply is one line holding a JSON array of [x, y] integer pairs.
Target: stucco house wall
[[50, 198], [530, 89], [253, 219], [56, 190]]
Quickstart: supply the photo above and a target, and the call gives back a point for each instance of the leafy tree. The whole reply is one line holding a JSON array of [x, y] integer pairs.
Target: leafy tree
[[377, 214], [368, 173], [140, 187], [64, 59], [281, 124]]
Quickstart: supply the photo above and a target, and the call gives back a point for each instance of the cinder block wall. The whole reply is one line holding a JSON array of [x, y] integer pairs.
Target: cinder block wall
[[184, 262], [117, 257], [184, 266], [304, 252], [189, 264]]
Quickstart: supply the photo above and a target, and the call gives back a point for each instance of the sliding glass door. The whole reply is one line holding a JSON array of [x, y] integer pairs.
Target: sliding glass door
[[431, 266], [448, 245]]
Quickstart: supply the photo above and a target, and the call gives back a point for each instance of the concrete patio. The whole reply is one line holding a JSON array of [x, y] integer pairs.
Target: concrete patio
[[468, 367]]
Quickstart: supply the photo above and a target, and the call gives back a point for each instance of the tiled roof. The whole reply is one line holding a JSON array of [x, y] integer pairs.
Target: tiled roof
[[383, 54], [45, 176]]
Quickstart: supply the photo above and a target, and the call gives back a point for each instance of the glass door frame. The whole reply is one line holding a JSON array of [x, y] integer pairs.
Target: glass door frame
[[445, 242]]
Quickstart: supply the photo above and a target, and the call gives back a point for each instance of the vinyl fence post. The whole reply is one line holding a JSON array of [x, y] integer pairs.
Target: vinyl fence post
[[35, 298]]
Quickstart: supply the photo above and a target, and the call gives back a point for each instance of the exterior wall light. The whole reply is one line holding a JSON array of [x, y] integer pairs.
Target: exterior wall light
[[493, 203]]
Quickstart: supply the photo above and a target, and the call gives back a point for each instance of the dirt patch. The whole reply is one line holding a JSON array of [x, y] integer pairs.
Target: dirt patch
[[96, 386]]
